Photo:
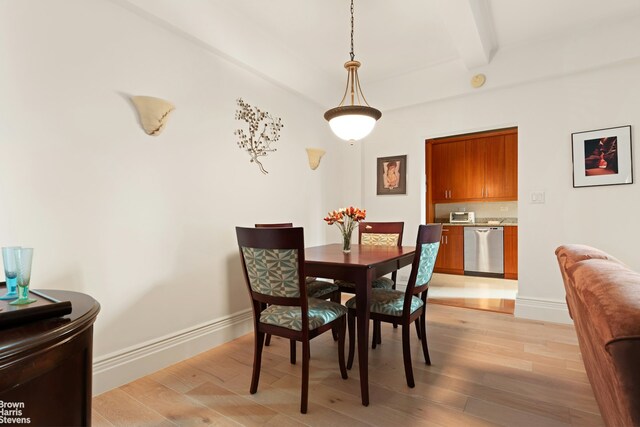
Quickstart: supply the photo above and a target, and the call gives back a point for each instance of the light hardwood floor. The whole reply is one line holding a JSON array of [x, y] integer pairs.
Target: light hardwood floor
[[488, 369], [482, 293]]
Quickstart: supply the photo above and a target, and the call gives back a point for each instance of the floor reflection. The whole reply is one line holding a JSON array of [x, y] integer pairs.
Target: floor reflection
[[482, 293]]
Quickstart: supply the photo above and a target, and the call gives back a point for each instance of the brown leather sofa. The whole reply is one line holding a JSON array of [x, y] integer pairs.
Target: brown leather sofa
[[603, 296]]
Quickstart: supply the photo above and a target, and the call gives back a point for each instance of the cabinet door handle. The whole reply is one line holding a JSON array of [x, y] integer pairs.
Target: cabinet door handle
[[446, 240]]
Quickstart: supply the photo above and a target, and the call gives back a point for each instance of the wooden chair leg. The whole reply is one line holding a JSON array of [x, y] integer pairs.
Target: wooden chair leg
[[394, 277], [380, 333], [352, 338], [423, 333], [342, 325], [257, 361], [268, 341], [406, 353], [374, 334], [335, 297], [292, 351], [417, 323], [304, 399]]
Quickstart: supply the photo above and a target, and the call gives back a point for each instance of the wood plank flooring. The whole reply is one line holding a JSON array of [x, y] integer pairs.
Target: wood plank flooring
[[498, 305], [481, 293], [487, 369]]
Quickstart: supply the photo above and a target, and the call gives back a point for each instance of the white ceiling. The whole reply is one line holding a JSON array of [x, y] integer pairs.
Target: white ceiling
[[302, 44]]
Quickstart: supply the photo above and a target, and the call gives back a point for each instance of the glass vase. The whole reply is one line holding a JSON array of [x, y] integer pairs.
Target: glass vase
[[346, 241]]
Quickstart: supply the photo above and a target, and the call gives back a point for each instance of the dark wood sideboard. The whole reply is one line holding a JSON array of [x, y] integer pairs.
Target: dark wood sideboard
[[46, 366]]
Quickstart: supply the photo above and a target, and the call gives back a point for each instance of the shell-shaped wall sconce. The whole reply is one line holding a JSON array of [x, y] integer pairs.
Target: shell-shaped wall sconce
[[153, 113], [314, 154]]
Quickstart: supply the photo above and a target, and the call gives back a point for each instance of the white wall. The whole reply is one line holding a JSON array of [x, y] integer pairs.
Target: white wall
[[546, 113], [144, 224]]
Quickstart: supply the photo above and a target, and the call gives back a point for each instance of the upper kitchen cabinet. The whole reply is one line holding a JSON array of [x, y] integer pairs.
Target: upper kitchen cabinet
[[492, 168], [447, 186], [475, 167]]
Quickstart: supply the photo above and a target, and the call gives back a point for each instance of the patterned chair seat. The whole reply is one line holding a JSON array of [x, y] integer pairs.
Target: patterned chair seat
[[320, 289], [321, 312], [379, 283], [388, 301]]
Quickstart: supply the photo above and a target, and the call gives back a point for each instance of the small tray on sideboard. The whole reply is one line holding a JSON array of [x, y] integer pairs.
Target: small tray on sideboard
[[44, 308]]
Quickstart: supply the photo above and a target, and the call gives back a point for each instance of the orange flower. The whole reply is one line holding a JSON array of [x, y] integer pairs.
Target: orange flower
[[348, 215]]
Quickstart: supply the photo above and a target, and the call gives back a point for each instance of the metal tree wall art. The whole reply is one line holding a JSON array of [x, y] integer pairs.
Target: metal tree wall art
[[264, 129]]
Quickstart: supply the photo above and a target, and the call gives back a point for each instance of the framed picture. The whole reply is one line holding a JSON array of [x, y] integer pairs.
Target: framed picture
[[602, 157], [392, 175]]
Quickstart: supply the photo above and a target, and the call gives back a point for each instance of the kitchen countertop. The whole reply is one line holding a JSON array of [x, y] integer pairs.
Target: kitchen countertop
[[482, 222]]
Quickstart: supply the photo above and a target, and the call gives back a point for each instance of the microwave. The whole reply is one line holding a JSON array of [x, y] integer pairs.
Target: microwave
[[462, 217]]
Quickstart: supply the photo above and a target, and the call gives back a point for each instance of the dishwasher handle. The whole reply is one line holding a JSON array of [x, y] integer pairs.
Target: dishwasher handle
[[486, 230]]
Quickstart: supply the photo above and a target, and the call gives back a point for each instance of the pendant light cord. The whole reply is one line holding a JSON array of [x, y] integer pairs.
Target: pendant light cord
[[353, 55]]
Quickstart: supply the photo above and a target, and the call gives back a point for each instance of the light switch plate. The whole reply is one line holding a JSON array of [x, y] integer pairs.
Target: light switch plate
[[537, 197]]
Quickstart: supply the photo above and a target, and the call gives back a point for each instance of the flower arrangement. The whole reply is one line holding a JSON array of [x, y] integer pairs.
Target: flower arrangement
[[347, 220]]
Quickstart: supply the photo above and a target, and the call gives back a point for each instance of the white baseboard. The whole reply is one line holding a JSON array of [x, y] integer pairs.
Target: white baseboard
[[123, 366], [540, 309]]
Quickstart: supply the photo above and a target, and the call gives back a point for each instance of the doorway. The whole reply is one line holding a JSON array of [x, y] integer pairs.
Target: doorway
[[472, 189]]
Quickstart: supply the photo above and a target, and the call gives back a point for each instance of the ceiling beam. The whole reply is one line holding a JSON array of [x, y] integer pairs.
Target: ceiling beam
[[471, 28]]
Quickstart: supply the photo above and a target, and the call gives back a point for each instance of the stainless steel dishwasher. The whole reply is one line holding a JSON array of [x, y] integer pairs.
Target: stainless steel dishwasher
[[484, 251]]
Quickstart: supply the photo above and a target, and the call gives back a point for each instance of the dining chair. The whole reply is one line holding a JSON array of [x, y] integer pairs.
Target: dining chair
[[315, 289], [404, 308], [383, 234], [377, 233], [273, 267]]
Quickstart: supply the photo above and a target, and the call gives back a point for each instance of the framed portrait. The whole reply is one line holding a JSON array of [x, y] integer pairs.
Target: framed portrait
[[602, 157], [392, 175]]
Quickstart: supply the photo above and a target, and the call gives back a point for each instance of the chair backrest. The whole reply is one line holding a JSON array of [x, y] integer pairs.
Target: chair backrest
[[278, 225], [273, 265], [424, 260], [380, 233]]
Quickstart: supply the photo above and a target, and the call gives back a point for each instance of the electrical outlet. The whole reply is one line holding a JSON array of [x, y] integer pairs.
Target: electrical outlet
[[537, 197]]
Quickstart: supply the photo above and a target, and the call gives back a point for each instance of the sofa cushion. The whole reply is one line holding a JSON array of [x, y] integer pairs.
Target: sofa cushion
[[610, 293], [570, 254]]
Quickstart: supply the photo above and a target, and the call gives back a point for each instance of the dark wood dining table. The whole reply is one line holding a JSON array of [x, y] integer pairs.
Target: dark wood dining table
[[363, 264]]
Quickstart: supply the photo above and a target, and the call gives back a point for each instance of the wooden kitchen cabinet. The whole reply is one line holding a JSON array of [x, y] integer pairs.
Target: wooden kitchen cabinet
[[451, 253], [491, 165], [448, 177], [501, 175], [510, 252], [477, 167]]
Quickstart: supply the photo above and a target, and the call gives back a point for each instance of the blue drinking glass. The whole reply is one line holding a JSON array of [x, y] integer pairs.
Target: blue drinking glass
[[10, 272], [23, 262]]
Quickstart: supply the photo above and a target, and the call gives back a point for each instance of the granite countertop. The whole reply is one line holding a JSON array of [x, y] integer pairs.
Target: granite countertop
[[481, 222]]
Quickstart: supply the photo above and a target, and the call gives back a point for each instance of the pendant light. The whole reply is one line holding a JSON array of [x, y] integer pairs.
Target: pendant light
[[357, 119]]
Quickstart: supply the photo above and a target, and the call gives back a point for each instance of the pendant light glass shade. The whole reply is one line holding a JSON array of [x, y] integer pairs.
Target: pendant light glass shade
[[357, 119], [352, 122]]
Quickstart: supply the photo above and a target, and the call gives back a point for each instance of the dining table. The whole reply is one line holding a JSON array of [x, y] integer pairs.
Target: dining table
[[360, 266]]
